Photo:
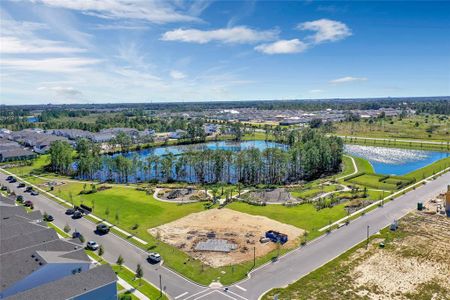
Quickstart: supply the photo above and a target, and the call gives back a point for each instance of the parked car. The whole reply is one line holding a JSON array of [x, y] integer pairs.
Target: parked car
[[9, 178], [28, 189], [102, 228], [19, 198], [21, 185], [70, 211], [34, 193], [28, 203], [49, 218], [13, 180], [4, 188], [92, 245], [76, 235], [77, 215], [154, 257]]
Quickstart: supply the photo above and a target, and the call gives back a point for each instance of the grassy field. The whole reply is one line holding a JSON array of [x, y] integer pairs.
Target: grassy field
[[401, 256], [397, 143], [433, 127], [382, 182], [132, 206]]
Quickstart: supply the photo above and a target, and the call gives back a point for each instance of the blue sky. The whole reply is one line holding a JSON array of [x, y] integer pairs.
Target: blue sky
[[61, 51]]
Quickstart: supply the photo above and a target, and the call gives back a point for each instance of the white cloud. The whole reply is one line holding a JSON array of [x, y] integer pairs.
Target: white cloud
[[177, 75], [315, 91], [326, 30], [11, 45], [61, 90], [282, 47], [237, 35], [56, 65], [151, 11], [347, 79]]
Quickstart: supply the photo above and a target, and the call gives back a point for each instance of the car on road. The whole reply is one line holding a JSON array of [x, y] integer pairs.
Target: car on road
[[13, 180], [76, 235], [19, 198], [77, 215], [21, 185], [49, 218], [28, 203], [92, 245], [102, 228], [154, 257], [9, 178], [28, 189], [34, 193], [70, 211]]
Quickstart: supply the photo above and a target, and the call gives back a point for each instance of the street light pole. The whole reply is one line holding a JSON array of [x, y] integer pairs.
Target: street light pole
[[254, 256], [160, 285], [367, 244]]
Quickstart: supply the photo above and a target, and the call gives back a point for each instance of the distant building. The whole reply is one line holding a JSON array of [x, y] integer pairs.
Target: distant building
[[178, 134], [36, 264]]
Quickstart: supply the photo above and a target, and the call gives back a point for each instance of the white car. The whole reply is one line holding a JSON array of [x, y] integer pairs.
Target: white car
[[92, 245], [154, 257]]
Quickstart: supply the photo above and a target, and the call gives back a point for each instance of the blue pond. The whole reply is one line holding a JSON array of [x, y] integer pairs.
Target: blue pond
[[395, 161], [220, 145]]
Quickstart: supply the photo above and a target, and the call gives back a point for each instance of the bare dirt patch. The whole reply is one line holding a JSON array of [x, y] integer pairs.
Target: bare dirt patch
[[418, 258], [183, 195], [242, 229]]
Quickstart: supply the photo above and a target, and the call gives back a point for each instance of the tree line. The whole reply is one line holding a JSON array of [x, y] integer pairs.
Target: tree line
[[311, 154]]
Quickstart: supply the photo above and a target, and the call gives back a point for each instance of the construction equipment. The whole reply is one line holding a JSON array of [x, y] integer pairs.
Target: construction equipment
[[277, 237]]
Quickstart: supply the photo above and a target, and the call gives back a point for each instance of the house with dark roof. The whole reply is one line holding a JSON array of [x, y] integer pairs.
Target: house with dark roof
[[36, 264]]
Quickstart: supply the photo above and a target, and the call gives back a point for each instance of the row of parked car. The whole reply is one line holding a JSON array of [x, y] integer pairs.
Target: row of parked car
[[28, 189], [76, 213]]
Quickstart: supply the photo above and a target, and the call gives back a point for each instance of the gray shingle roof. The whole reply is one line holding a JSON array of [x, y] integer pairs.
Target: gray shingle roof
[[20, 263], [27, 240], [70, 286], [10, 228]]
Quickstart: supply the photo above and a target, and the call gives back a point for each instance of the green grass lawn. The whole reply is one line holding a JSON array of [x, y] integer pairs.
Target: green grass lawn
[[363, 165], [433, 127], [132, 206], [304, 216], [143, 286], [373, 181]]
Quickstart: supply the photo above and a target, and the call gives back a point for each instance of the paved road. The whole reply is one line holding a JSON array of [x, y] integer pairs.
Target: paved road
[[304, 260], [287, 269], [113, 245]]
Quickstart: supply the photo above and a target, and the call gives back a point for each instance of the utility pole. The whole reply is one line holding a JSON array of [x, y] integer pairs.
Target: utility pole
[[367, 244], [254, 257], [160, 286]]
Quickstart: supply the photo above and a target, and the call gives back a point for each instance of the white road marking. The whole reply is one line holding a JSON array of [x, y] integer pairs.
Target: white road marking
[[181, 295], [237, 295], [241, 288], [215, 291], [196, 294]]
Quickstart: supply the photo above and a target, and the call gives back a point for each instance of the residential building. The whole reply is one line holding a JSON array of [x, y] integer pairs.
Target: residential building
[[36, 264]]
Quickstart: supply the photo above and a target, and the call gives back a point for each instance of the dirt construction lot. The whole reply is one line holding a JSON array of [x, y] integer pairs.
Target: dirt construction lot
[[242, 229]]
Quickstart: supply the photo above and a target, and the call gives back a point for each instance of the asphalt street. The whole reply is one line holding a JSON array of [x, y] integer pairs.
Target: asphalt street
[[285, 270]]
